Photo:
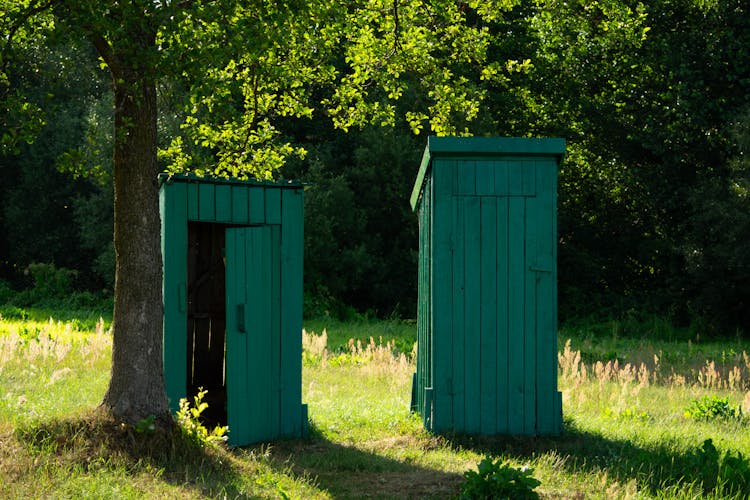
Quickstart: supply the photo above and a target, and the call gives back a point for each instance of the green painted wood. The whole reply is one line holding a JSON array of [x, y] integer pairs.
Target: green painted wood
[[516, 341], [473, 147], [488, 365], [273, 206], [502, 177], [423, 306], [263, 291], [459, 314], [473, 310], [238, 400], [293, 416], [557, 415], [442, 296], [421, 179], [264, 298], [173, 207], [206, 202], [257, 205], [223, 193], [466, 178], [240, 199], [192, 196], [252, 371], [531, 307], [546, 173], [503, 323], [486, 360], [485, 178]]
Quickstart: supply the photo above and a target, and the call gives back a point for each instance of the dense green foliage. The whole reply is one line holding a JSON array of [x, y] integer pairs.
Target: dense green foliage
[[710, 408], [494, 479], [653, 98]]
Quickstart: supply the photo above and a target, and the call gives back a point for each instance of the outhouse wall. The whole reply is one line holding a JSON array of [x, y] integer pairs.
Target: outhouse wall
[[487, 308]]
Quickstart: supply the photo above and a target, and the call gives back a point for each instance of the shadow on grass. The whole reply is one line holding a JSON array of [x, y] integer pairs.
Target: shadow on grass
[[348, 472], [86, 444], [654, 468]]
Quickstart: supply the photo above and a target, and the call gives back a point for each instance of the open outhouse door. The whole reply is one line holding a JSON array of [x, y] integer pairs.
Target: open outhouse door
[[253, 355]]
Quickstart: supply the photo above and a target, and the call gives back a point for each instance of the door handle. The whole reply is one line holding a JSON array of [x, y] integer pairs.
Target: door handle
[[536, 269], [241, 318]]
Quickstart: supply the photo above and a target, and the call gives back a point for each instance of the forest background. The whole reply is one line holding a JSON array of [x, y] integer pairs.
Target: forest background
[[654, 193]]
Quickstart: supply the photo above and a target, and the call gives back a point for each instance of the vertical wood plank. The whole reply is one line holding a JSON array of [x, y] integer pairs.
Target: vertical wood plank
[[261, 380], [485, 180], [515, 178], [192, 199], [488, 328], [237, 369], [273, 206], [516, 315], [424, 306], [173, 207], [206, 202], [529, 177], [466, 177], [257, 205], [530, 316], [442, 280], [278, 371], [291, 273], [473, 308], [502, 178], [547, 416], [460, 267], [503, 321], [558, 420], [240, 201], [223, 193]]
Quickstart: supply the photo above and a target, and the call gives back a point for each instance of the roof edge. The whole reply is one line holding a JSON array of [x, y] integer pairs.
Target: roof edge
[[165, 178], [482, 146]]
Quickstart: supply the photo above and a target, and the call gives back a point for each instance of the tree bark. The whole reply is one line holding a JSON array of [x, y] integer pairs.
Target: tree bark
[[136, 388]]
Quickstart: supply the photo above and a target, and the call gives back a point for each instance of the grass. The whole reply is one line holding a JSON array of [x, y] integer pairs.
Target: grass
[[624, 399]]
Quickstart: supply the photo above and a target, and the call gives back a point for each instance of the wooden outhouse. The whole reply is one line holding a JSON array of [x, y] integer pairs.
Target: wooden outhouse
[[232, 292], [487, 309]]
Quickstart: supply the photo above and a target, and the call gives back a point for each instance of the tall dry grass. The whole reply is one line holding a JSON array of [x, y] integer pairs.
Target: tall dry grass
[[373, 357], [52, 341], [731, 374]]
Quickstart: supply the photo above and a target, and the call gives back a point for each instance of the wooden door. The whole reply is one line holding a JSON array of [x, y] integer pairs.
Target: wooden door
[[253, 350]]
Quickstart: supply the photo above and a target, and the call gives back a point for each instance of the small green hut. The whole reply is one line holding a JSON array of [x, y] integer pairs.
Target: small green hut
[[487, 309], [232, 290]]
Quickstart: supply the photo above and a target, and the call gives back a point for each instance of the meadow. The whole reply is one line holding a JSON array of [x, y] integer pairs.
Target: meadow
[[639, 401]]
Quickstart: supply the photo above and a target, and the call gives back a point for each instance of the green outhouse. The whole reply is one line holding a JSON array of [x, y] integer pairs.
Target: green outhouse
[[232, 293], [487, 308]]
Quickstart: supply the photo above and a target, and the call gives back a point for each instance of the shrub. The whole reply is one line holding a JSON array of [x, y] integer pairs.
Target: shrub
[[711, 408], [496, 480], [50, 280], [188, 418], [6, 292]]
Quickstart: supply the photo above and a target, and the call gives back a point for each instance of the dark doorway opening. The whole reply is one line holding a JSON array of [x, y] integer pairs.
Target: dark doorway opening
[[206, 320]]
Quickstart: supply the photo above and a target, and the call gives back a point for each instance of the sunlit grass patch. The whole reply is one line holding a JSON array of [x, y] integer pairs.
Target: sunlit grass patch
[[625, 435], [51, 368]]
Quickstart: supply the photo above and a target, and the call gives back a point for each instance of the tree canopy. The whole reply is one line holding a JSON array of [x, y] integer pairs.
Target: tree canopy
[[652, 97], [244, 67]]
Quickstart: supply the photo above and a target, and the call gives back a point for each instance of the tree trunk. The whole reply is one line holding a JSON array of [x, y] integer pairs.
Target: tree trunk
[[136, 388]]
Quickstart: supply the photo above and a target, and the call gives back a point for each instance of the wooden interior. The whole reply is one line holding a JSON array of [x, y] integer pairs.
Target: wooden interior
[[206, 335]]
